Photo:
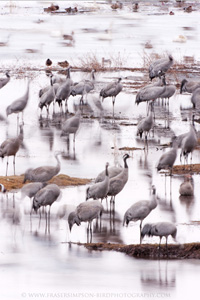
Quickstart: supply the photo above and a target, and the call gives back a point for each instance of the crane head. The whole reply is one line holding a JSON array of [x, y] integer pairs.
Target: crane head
[[36, 204], [126, 219], [73, 219]]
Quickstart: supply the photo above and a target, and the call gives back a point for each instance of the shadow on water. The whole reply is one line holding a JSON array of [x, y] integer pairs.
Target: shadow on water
[[46, 131], [188, 202], [160, 277]]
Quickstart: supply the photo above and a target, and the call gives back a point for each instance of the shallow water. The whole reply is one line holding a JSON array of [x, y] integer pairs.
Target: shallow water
[[46, 263]]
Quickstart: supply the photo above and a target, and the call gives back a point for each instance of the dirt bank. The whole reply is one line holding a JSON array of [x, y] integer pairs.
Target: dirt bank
[[16, 182], [151, 251]]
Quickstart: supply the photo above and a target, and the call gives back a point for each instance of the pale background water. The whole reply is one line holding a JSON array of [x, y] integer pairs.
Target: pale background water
[[33, 262]]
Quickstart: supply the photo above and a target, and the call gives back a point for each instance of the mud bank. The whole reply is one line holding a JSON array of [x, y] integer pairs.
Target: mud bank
[[16, 182], [150, 251]]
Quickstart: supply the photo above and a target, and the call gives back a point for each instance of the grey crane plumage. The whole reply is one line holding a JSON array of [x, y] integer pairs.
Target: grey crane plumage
[[62, 79], [145, 125], [48, 96], [167, 159], [43, 173], [4, 81], [140, 210], [186, 188], [86, 212], [84, 87], [46, 88], [46, 197], [64, 90], [20, 104], [10, 147], [189, 143], [160, 81], [2, 188], [30, 189], [195, 98], [149, 93], [189, 86], [112, 172], [71, 125], [111, 90], [169, 92], [160, 66], [100, 189], [178, 139], [118, 182], [159, 229]]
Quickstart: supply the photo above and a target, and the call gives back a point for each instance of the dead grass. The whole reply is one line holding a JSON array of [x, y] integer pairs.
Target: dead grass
[[90, 61], [16, 182], [150, 251], [185, 169], [130, 148]]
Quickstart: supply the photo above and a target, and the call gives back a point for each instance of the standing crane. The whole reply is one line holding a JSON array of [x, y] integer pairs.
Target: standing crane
[[83, 87], [118, 182], [189, 143], [86, 212], [159, 229], [46, 197], [167, 159], [160, 66], [10, 147], [48, 95], [145, 125], [19, 105], [100, 189], [64, 90], [140, 210], [112, 90], [71, 126]]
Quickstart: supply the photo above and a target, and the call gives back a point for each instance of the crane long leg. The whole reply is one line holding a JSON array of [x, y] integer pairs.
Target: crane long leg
[[31, 215], [46, 221], [89, 233], [166, 243], [113, 102], [74, 142], [40, 218], [49, 219], [141, 232], [7, 165], [66, 106], [159, 245], [14, 164]]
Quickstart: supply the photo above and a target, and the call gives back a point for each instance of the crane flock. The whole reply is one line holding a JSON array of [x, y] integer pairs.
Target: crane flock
[[112, 180]]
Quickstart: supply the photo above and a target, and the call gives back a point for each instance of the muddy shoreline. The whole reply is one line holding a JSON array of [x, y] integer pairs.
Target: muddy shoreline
[[150, 251], [62, 180]]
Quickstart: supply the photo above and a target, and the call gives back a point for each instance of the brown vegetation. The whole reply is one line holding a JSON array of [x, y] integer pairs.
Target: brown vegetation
[[174, 251], [16, 182], [185, 169]]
